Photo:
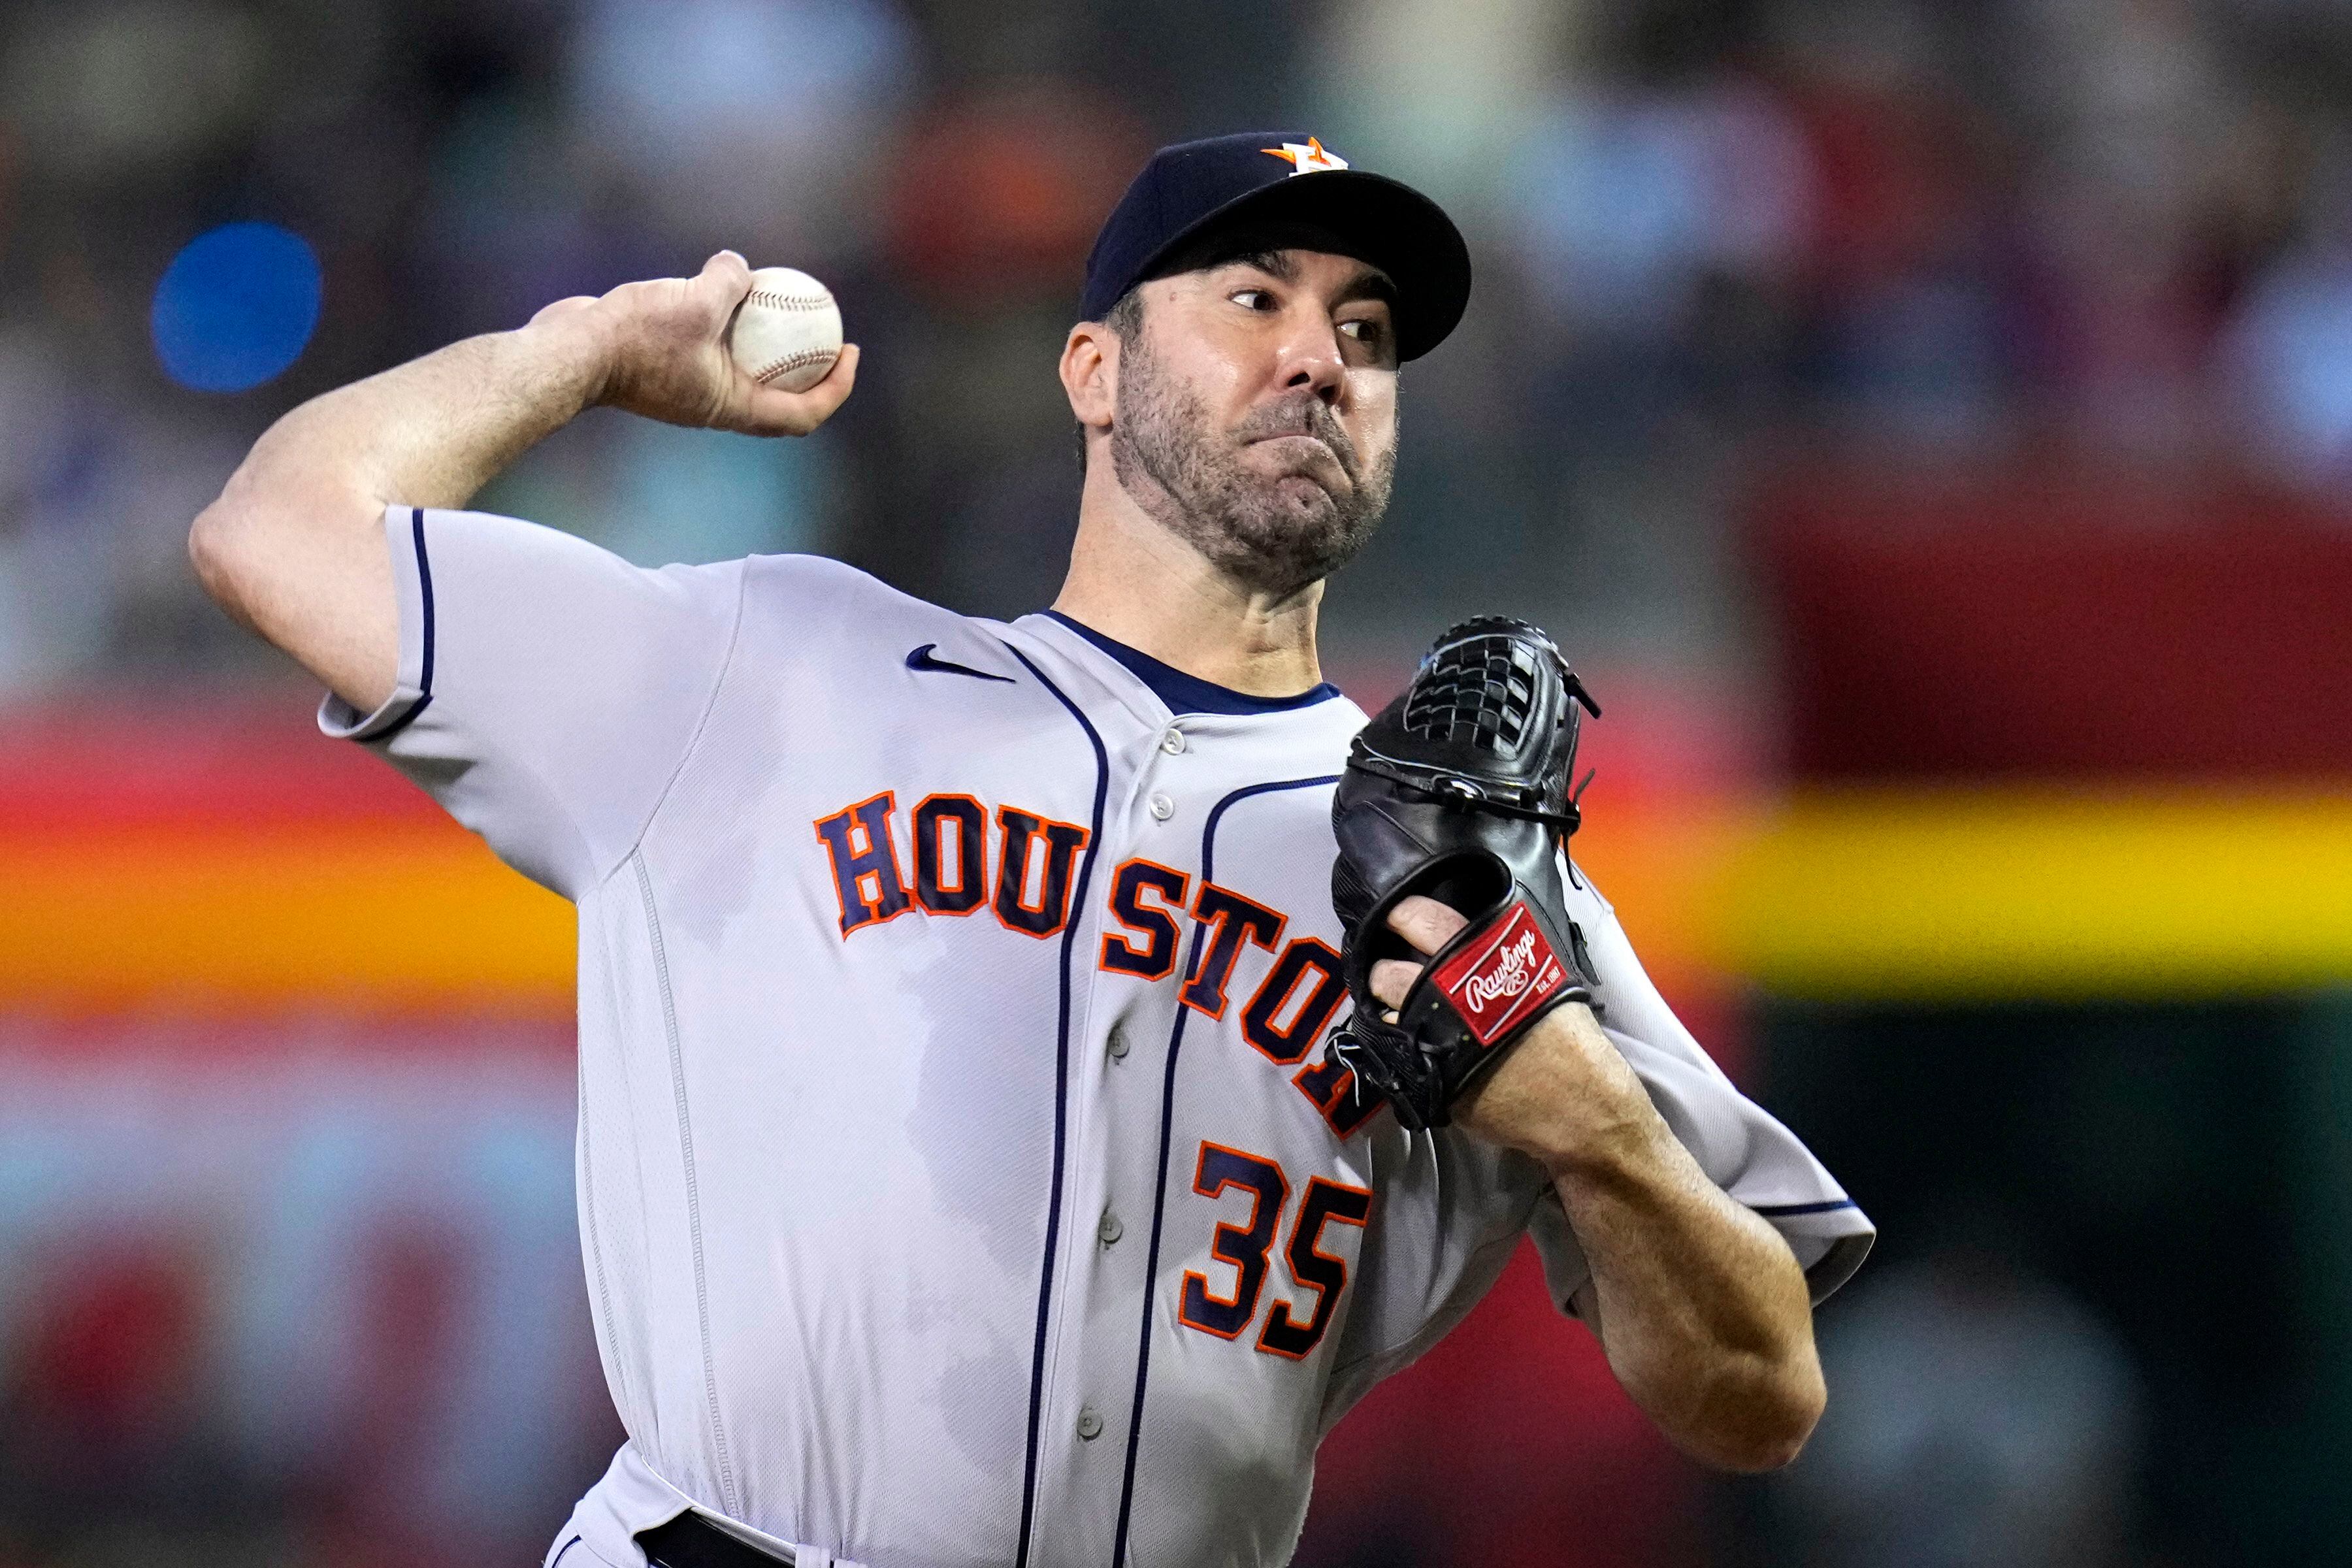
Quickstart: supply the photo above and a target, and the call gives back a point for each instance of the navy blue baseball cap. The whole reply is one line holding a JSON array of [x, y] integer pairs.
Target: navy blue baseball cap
[[1199, 203]]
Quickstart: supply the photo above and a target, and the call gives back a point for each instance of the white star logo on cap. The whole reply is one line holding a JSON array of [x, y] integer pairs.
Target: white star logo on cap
[[1305, 160]]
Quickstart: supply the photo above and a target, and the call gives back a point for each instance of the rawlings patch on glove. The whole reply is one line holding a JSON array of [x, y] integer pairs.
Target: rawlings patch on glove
[[1458, 791]]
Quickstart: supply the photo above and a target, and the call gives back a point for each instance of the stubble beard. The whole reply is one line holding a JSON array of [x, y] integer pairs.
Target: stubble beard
[[1271, 536]]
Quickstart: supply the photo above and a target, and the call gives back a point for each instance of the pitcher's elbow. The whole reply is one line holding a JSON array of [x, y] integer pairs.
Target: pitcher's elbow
[[1772, 1420], [220, 549], [209, 553]]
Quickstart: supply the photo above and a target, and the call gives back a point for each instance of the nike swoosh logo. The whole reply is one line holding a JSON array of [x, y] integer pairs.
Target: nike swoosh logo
[[922, 659]]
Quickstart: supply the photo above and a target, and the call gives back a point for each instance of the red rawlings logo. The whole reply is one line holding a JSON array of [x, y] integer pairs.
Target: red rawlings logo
[[1503, 976]]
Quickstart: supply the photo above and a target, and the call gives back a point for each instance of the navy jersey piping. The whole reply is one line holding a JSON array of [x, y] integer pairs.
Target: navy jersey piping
[[1785, 1211], [425, 592], [1061, 1108], [1167, 1133]]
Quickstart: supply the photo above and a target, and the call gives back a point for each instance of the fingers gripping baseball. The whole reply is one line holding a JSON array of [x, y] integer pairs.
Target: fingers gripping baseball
[[665, 343], [1428, 925]]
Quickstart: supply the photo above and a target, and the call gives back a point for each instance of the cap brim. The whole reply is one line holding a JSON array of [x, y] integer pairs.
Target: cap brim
[[1389, 224]]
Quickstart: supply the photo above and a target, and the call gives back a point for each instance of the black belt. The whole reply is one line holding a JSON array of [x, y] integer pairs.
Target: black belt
[[690, 1540]]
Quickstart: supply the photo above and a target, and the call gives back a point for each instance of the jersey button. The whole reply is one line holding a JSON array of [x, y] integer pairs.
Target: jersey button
[[1117, 1045], [1089, 1424], [1172, 742], [1162, 809], [1109, 1229]]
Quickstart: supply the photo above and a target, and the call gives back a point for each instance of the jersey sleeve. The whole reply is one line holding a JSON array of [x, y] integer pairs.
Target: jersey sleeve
[[1739, 1144], [1453, 1210], [548, 690]]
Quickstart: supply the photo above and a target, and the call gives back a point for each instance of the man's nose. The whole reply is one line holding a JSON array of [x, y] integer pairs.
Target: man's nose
[[1311, 360]]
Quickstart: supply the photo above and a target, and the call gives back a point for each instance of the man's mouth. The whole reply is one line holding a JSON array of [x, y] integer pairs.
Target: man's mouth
[[1296, 435], [1306, 448]]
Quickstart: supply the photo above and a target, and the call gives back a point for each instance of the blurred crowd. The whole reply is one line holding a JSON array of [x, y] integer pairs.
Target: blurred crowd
[[282, 1305], [1709, 233]]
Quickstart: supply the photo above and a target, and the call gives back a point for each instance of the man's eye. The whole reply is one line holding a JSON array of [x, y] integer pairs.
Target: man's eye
[[1361, 330], [1251, 299]]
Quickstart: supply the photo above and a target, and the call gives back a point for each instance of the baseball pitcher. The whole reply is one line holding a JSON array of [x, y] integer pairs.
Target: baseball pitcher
[[1036, 1077]]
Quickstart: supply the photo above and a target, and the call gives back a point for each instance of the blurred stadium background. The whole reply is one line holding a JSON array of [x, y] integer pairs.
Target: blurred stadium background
[[1930, 424]]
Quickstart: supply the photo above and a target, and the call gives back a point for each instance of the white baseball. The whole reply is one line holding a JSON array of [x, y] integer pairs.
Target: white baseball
[[787, 331]]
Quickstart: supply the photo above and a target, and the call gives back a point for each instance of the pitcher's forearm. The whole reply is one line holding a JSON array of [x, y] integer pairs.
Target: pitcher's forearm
[[434, 431], [1700, 1306], [294, 547], [1699, 1303]]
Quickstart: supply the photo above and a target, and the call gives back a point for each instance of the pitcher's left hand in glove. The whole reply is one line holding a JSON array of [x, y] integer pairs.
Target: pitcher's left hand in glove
[[1458, 791]]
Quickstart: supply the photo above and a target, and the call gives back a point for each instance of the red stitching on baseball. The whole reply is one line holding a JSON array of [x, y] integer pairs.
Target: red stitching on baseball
[[793, 361]]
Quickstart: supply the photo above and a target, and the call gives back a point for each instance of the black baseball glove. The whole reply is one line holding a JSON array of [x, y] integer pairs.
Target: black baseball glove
[[1458, 791]]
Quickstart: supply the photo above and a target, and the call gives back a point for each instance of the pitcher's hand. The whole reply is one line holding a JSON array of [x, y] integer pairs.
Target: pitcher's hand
[[661, 346]]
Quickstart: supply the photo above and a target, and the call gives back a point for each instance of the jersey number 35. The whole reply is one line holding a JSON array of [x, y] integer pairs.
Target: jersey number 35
[[1246, 1247]]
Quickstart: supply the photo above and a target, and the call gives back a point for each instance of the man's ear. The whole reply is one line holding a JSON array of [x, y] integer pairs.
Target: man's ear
[[1090, 374]]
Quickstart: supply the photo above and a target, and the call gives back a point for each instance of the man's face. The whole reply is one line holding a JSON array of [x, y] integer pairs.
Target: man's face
[[1256, 412]]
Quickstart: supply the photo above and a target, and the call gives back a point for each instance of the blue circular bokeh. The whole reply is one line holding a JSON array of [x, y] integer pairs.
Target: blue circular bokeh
[[235, 307]]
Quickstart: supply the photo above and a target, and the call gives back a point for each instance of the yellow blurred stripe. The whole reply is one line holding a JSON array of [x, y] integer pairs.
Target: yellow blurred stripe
[[1914, 894], [1881, 894], [394, 917]]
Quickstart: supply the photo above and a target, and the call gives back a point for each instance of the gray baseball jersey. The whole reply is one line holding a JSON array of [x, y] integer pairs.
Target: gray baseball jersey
[[961, 1179]]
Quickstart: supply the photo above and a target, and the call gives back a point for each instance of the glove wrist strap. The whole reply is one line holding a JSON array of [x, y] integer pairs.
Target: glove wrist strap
[[1498, 979], [1457, 790]]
